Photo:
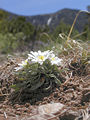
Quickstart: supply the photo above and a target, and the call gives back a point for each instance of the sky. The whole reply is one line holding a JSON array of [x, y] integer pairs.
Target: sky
[[35, 7]]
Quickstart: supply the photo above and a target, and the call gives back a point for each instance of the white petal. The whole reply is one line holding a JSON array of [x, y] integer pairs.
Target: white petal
[[39, 52], [34, 53], [18, 68], [30, 55]]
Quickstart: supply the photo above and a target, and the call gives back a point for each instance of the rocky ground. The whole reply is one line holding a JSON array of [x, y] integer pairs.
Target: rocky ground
[[71, 101]]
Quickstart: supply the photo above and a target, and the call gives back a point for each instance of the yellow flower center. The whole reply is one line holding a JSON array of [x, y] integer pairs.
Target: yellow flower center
[[53, 58], [25, 62], [41, 57]]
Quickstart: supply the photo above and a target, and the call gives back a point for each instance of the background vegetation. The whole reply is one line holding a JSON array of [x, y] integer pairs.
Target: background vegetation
[[17, 34]]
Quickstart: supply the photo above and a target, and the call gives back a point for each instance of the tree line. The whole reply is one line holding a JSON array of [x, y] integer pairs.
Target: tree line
[[16, 33]]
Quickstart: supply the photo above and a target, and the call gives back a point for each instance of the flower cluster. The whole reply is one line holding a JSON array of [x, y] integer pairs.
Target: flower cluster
[[40, 57]]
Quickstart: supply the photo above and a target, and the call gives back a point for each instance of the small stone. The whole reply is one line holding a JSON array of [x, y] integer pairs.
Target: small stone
[[52, 108], [69, 115]]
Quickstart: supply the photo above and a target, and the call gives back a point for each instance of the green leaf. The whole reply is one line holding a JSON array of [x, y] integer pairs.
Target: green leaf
[[57, 81], [37, 85], [15, 87]]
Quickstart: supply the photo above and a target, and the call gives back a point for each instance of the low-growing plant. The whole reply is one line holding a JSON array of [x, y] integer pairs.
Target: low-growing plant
[[35, 75], [39, 70]]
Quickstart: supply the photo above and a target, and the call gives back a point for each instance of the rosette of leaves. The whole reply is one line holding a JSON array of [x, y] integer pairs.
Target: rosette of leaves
[[34, 76]]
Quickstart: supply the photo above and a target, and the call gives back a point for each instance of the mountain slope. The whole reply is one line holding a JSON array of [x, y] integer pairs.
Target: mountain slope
[[52, 20], [66, 15]]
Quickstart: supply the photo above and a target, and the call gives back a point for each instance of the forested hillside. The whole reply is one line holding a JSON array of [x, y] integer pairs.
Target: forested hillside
[[18, 32]]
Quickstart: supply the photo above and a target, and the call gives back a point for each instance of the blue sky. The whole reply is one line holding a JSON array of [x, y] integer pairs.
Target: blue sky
[[34, 7]]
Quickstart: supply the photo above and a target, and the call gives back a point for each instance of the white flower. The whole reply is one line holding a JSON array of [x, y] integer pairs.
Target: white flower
[[39, 56], [55, 60], [74, 41], [21, 65]]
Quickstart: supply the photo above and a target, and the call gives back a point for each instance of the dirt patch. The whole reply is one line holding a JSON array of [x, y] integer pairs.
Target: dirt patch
[[74, 93]]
